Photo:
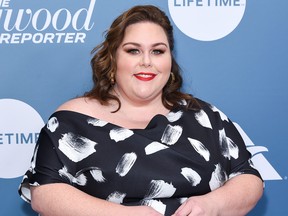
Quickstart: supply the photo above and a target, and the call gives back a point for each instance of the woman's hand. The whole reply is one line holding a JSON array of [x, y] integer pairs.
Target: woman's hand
[[236, 197], [197, 206]]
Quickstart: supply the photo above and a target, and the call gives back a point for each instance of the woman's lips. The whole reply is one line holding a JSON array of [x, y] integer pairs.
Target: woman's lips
[[144, 76]]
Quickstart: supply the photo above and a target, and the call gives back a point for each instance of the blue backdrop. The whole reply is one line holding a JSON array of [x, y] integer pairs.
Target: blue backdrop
[[233, 54]]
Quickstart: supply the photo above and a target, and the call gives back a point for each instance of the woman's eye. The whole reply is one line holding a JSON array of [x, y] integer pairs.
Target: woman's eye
[[157, 52], [133, 51]]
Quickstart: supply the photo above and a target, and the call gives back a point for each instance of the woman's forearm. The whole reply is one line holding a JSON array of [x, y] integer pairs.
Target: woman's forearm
[[238, 196], [62, 199]]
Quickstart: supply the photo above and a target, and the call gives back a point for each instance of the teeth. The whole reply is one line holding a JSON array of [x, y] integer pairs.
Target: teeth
[[144, 75]]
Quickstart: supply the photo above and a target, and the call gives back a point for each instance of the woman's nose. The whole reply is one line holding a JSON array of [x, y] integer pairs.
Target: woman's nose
[[146, 60]]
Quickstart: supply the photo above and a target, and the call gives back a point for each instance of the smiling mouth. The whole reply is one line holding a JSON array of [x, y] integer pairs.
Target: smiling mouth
[[145, 76]]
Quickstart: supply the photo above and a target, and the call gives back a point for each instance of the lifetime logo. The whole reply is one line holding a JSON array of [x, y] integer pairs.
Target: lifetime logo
[[18, 138], [207, 20], [41, 25], [19, 130], [209, 3]]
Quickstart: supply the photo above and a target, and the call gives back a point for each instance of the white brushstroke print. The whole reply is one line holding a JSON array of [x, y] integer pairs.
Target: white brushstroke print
[[223, 144], [76, 147], [203, 119], [96, 122], [25, 189], [228, 147], [232, 175], [171, 134], [174, 116], [33, 161], [233, 148], [34, 184], [156, 205], [200, 148], [116, 197], [78, 179], [154, 147], [222, 115], [126, 163], [160, 189], [120, 134], [97, 174], [52, 124], [218, 177], [251, 164], [191, 175], [182, 200]]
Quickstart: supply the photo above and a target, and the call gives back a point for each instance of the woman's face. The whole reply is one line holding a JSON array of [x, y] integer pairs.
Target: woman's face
[[143, 63]]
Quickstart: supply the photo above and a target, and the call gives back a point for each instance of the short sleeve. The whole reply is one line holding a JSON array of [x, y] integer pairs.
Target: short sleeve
[[233, 147], [45, 164]]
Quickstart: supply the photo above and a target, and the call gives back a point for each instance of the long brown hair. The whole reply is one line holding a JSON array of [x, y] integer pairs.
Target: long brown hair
[[104, 66]]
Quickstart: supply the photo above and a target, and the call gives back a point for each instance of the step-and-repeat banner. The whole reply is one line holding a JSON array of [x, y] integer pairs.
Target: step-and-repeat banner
[[233, 54]]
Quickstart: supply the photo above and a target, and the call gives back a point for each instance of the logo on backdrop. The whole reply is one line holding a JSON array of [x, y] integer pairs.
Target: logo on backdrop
[[260, 162], [207, 20], [19, 129], [42, 25]]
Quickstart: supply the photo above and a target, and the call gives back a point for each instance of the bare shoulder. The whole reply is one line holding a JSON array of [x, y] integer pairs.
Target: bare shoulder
[[80, 104], [85, 106]]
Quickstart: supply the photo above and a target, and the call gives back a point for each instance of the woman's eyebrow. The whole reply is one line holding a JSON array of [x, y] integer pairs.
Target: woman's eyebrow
[[139, 45]]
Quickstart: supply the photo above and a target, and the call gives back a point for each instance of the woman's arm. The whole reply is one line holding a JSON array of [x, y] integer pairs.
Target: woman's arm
[[63, 199], [235, 198]]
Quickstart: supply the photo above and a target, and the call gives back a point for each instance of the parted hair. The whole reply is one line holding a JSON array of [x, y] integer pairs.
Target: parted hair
[[104, 66]]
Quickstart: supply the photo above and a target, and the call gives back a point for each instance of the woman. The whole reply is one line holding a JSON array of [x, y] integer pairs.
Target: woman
[[135, 144]]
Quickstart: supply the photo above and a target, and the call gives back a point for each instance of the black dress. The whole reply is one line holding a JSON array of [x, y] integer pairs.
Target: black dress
[[183, 154]]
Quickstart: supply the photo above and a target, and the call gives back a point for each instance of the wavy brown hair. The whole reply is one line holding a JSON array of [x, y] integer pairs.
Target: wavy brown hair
[[103, 62]]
